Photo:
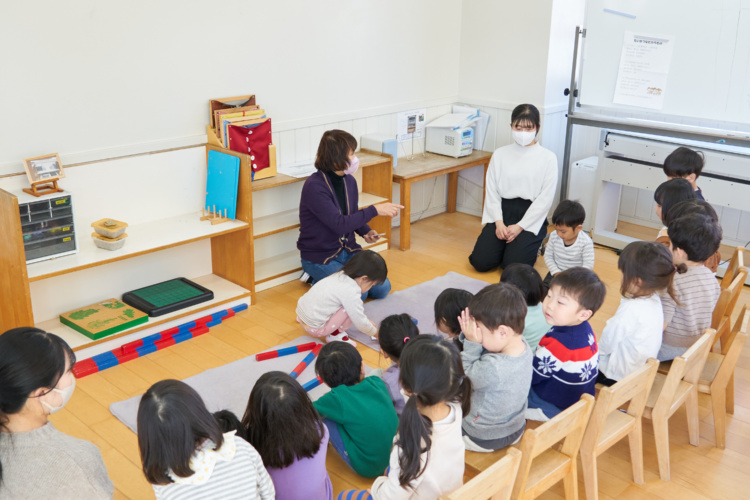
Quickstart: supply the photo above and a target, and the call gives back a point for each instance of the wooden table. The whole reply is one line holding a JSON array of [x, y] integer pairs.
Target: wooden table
[[432, 165]]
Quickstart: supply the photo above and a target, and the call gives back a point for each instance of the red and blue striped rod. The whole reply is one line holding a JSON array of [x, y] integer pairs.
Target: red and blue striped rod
[[286, 351], [308, 359]]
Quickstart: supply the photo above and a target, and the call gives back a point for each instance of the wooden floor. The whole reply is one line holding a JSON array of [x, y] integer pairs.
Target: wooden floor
[[439, 244]]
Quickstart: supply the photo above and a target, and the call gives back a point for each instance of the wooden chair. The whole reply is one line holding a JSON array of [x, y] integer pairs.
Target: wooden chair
[[541, 466], [736, 263], [728, 298], [670, 391], [717, 378], [495, 483], [608, 424]]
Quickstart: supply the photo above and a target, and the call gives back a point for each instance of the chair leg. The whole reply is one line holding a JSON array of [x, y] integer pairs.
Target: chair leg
[[693, 418], [730, 395], [570, 481], [635, 439], [590, 477], [718, 405], [661, 436]]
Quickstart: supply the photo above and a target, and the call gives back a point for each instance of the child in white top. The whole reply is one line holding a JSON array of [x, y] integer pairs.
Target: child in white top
[[334, 303], [438, 394], [633, 334], [694, 238], [185, 455], [568, 246]]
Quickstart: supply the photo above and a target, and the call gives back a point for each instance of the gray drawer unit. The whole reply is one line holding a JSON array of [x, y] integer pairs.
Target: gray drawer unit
[[48, 228]]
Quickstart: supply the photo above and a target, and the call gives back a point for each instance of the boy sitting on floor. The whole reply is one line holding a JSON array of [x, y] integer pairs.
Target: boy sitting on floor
[[567, 359], [568, 246], [358, 411]]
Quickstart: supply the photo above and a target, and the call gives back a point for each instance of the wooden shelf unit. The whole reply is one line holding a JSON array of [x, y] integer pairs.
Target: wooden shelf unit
[[235, 270]]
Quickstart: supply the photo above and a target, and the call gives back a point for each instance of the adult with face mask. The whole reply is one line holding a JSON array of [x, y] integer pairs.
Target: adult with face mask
[[37, 460], [519, 190], [329, 214]]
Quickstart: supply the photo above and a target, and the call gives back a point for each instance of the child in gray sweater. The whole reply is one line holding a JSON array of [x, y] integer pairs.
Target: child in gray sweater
[[498, 360]]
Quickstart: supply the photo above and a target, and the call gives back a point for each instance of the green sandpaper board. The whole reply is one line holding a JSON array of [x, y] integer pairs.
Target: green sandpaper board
[[103, 318]]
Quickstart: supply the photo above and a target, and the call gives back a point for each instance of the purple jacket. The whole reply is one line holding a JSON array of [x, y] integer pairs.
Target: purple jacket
[[324, 231]]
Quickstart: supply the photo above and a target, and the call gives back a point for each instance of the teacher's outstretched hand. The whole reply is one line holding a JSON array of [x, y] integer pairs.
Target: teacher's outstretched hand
[[388, 209]]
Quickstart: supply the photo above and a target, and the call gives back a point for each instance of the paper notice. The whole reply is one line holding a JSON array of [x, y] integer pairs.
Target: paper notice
[[410, 124], [644, 68]]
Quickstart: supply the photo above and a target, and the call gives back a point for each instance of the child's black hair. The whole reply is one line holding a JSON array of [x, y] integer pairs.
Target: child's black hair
[[172, 420], [432, 372], [500, 304], [682, 162], [569, 213], [394, 332], [281, 421], [646, 266], [672, 192], [526, 279], [366, 263], [526, 113], [448, 307], [698, 235], [694, 206], [583, 285], [228, 421], [339, 363]]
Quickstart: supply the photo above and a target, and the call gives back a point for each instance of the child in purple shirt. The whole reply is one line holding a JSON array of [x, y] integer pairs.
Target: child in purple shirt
[[282, 424], [395, 331]]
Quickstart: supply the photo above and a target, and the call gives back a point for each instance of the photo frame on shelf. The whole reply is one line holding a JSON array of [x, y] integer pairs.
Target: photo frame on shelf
[[43, 173]]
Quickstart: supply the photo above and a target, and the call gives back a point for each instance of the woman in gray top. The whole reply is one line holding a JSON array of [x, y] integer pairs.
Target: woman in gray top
[[36, 460]]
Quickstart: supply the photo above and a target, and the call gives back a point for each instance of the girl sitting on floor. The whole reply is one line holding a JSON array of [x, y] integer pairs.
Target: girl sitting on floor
[[448, 307], [427, 459], [335, 302], [185, 454], [395, 331]]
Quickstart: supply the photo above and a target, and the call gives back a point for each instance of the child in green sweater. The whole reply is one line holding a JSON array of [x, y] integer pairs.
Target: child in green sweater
[[358, 411]]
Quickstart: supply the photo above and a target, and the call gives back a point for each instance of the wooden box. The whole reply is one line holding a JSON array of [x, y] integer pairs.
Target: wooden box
[[214, 144]]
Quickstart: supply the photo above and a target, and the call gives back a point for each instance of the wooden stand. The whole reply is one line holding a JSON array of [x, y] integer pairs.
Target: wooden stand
[[41, 188], [213, 216]]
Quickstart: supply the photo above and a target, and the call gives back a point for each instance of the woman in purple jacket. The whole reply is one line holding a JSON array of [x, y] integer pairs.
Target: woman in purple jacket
[[329, 213]]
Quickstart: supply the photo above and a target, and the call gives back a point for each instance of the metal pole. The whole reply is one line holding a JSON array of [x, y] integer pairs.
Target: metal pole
[[572, 94]]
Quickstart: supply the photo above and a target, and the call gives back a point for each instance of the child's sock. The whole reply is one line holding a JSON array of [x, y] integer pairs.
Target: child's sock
[[340, 337]]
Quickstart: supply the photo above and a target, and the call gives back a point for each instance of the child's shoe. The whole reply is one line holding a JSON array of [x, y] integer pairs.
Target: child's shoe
[[340, 337]]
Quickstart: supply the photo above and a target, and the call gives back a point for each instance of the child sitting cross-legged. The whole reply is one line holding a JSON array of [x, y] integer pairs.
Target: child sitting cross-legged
[[358, 411], [568, 245], [448, 307], [694, 238], [395, 332], [565, 363], [497, 359], [527, 279], [633, 334], [427, 459]]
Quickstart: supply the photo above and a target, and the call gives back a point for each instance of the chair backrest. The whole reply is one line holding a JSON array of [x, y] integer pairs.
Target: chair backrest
[[495, 482], [736, 263], [687, 367], [732, 348], [634, 388], [569, 426], [728, 298]]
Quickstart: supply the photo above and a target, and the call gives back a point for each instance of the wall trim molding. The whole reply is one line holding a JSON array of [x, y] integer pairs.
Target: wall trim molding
[[509, 106]]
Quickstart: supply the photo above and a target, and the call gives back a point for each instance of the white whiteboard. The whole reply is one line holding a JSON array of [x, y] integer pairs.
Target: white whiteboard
[[101, 76], [709, 76]]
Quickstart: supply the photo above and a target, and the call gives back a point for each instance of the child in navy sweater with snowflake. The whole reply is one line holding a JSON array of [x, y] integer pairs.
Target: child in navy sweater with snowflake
[[566, 361]]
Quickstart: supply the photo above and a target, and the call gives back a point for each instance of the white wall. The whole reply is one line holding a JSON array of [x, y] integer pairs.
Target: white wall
[[92, 79]]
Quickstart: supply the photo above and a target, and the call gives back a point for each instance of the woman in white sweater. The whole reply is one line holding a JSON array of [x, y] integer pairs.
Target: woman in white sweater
[[634, 333], [37, 460], [519, 190]]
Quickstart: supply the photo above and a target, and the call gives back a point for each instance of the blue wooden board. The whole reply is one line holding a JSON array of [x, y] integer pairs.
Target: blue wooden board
[[221, 183]]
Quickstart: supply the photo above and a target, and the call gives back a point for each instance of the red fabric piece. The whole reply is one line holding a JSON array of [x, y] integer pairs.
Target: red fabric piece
[[252, 141]]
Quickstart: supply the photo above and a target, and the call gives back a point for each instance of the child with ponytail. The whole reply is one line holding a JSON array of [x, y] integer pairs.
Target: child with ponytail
[[395, 331], [427, 459]]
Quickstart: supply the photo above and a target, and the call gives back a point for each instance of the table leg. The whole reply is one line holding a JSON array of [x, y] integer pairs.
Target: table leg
[[484, 187], [405, 228], [452, 191]]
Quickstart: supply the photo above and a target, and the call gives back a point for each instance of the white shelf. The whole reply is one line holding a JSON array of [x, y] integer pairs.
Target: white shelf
[[277, 265], [274, 223], [224, 291], [367, 199], [142, 238]]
